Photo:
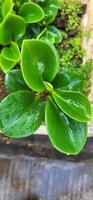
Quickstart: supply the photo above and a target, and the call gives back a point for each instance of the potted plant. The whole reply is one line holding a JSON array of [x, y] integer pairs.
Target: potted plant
[[40, 89]]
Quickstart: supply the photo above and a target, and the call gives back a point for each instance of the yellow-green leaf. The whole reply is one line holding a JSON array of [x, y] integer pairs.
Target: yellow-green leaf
[[12, 27], [5, 64], [31, 12], [11, 53], [7, 7], [39, 63]]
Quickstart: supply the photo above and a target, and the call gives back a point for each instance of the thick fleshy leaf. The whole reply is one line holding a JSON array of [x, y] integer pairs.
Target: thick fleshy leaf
[[50, 19], [14, 81], [7, 7], [50, 36], [5, 64], [70, 80], [40, 63], [50, 8], [47, 36], [12, 27], [9, 57], [74, 104], [31, 12], [56, 32], [66, 134], [20, 114], [11, 53]]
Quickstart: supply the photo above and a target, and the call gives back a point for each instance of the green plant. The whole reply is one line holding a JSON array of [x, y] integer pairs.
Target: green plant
[[39, 89], [70, 52], [22, 112], [52, 34], [22, 16], [70, 49], [86, 71], [77, 78], [50, 8], [71, 12]]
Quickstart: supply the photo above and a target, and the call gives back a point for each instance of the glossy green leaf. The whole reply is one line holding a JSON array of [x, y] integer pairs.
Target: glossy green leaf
[[20, 114], [50, 8], [67, 135], [9, 57], [68, 80], [74, 104], [50, 19], [56, 32], [40, 63], [7, 7], [5, 64], [14, 81], [50, 36], [11, 53], [31, 12], [48, 86], [12, 28]]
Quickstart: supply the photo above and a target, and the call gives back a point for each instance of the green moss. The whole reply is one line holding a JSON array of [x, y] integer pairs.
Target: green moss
[[71, 52], [70, 49], [72, 12], [86, 70]]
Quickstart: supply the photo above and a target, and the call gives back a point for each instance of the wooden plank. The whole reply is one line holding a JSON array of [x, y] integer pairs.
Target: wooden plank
[[24, 171], [23, 176], [40, 146]]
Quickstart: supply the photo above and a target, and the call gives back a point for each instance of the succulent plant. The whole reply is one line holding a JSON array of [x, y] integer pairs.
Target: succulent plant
[[39, 89]]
